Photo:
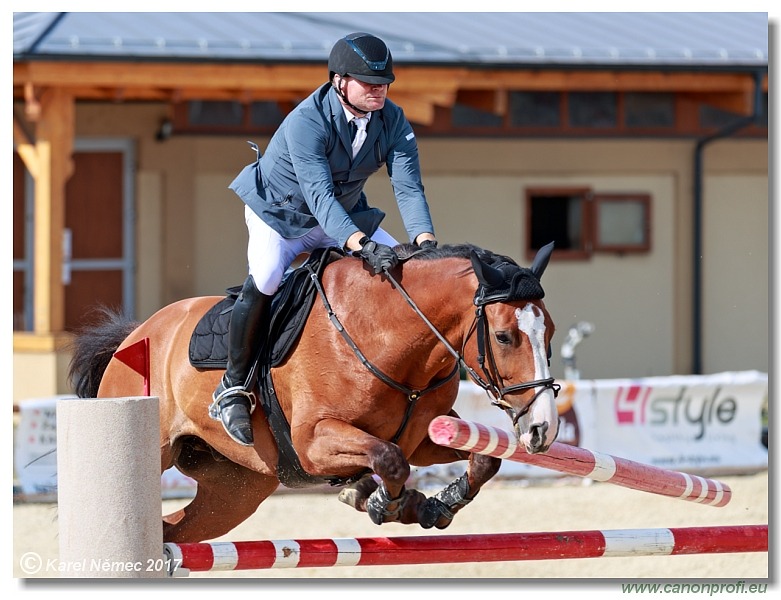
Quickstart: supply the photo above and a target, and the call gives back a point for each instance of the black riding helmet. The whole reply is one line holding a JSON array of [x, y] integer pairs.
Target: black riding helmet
[[362, 56]]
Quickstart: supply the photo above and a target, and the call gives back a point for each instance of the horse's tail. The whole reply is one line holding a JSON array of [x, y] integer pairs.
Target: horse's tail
[[93, 348]]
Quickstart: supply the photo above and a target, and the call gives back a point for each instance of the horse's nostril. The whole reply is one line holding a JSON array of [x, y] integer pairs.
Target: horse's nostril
[[538, 436]]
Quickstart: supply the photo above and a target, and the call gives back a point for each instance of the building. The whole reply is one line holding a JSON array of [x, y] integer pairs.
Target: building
[[638, 141]]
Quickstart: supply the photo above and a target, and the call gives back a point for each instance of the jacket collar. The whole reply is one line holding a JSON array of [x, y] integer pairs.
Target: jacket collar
[[340, 121]]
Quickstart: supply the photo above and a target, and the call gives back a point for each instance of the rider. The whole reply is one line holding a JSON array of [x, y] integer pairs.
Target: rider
[[306, 192]]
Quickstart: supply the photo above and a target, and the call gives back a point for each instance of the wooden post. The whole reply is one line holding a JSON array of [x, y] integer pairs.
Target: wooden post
[[53, 152]]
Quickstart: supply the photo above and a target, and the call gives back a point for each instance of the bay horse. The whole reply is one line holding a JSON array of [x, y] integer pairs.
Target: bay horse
[[377, 359]]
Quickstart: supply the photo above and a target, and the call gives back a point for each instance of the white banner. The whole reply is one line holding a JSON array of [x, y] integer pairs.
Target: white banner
[[35, 446], [700, 424], [707, 424]]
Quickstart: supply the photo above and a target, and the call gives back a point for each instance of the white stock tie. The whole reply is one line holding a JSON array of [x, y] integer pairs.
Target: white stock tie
[[360, 133]]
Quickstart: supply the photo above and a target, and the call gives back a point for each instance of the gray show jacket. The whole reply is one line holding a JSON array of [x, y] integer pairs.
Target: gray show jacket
[[307, 175]]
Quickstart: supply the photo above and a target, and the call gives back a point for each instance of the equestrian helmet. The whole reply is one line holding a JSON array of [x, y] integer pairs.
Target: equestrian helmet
[[362, 56]]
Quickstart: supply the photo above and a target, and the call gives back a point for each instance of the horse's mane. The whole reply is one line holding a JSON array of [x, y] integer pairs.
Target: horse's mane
[[408, 251]]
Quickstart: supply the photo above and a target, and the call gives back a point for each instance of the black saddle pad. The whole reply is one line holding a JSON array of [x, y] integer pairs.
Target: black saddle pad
[[290, 308]]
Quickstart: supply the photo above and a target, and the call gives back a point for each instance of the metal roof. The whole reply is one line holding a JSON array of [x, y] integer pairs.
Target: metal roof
[[693, 40]]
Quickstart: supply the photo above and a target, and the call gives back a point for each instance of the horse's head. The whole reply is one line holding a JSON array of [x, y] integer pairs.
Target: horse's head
[[514, 332]]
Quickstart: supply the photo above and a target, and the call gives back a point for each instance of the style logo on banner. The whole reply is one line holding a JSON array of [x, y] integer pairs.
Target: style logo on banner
[[631, 404], [698, 410]]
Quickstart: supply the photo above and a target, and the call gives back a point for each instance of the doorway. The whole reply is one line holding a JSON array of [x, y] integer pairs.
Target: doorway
[[99, 239]]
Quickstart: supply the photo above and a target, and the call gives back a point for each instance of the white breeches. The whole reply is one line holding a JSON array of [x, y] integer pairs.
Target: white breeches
[[269, 254]]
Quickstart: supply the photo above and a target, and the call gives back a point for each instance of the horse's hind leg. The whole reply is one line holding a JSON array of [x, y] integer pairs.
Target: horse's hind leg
[[227, 495]]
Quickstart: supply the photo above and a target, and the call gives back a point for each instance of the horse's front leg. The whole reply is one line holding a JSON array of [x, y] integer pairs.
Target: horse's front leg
[[440, 509], [337, 447]]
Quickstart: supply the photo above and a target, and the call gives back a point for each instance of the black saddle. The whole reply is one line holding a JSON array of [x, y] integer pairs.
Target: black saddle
[[290, 309]]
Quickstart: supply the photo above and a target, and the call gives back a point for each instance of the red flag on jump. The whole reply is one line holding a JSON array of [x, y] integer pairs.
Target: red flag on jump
[[136, 356]]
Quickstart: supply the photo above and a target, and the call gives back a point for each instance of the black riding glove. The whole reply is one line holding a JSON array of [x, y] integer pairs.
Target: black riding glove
[[378, 256], [428, 244]]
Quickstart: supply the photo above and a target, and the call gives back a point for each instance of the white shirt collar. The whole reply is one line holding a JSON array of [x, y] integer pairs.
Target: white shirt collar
[[350, 116]]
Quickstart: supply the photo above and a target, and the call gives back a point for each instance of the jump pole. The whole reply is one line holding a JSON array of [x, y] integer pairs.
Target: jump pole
[[438, 549], [572, 460], [109, 489]]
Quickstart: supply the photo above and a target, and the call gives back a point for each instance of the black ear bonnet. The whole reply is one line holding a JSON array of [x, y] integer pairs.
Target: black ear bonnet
[[501, 280]]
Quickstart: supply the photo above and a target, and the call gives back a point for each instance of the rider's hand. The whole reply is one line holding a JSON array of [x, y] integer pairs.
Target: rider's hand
[[428, 244], [378, 256]]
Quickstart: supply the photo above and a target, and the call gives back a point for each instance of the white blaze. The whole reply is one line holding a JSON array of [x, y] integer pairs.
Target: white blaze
[[531, 322]]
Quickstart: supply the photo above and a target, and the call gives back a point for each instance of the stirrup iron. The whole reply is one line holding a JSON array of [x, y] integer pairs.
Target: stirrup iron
[[215, 408]]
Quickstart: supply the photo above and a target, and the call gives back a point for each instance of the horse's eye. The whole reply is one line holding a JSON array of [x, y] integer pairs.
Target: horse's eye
[[504, 338]]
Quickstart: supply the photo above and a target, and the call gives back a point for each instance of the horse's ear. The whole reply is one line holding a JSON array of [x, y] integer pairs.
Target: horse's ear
[[486, 274], [541, 260]]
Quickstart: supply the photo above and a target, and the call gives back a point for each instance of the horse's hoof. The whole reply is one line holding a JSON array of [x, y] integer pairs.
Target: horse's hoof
[[377, 505], [384, 509], [412, 503], [440, 509], [432, 511], [356, 494]]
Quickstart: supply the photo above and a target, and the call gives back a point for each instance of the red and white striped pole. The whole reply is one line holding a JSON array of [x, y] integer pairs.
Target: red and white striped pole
[[439, 549], [572, 460]]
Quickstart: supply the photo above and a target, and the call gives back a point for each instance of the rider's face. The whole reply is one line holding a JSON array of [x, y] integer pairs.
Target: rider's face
[[366, 96]]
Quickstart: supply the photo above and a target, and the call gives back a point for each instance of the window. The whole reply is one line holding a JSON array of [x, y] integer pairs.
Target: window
[[581, 222], [265, 114], [593, 110], [210, 114], [560, 216], [535, 109], [220, 117], [649, 110], [504, 113], [466, 116], [622, 222]]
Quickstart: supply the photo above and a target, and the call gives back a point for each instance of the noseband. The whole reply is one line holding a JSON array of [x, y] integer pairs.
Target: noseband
[[493, 382]]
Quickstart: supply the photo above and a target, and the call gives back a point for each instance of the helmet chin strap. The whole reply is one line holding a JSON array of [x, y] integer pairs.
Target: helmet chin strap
[[343, 96]]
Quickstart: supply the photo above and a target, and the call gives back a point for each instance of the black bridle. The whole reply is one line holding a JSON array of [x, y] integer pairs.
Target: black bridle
[[492, 383]]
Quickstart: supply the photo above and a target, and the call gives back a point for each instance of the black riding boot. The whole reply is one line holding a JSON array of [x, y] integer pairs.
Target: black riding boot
[[234, 399]]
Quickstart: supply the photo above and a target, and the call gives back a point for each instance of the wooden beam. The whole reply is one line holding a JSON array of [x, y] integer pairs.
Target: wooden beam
[[145, 80], [179, 95], [493, 101], [54, 149], [131, 76], [427, 78], [738, 103], [32, 107], [419, 108], [25, 147]]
